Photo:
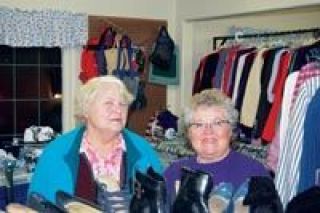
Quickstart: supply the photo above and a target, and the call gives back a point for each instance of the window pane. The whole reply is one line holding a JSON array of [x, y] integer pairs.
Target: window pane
[[51, 114], [27, 82], [5, 140], [6, 118], [27, 115], [27, 56], [50, 56], [6, 54], [50, 82], [29, 76], [6, 82]]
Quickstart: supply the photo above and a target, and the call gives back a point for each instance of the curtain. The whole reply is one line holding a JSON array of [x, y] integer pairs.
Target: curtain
[[45, 28]]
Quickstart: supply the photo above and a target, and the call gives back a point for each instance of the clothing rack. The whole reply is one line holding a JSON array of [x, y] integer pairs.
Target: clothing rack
[[224, 38]]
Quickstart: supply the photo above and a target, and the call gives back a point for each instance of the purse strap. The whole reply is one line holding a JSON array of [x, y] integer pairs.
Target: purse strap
[[107, 38]]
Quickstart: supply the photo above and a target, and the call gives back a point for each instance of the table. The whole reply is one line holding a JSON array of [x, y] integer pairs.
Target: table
[[21, 181]]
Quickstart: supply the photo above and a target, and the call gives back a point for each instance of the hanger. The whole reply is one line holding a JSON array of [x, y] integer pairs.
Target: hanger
[[116, 27], [237, 36]]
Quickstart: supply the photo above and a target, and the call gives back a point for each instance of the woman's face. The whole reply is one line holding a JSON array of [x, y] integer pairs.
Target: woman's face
[[107, 111], [210, 133]]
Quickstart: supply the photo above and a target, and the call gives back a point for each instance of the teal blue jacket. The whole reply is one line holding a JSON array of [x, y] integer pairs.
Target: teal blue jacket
[[57, 167]]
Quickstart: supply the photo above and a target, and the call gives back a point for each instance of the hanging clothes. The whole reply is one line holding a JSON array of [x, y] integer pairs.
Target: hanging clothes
[[254, 78], [287, 175], [272, 120], [205, 73], [250, 101], [310, 158]]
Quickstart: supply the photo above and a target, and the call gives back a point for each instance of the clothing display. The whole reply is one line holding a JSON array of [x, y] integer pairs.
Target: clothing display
[[240, 71]]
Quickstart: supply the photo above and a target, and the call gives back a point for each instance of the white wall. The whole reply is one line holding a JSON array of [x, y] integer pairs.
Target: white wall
[[204, 9], [149, 9], [126, 8], [198, 21]]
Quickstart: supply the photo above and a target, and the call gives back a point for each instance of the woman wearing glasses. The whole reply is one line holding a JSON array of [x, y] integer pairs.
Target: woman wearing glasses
[[210, 124]]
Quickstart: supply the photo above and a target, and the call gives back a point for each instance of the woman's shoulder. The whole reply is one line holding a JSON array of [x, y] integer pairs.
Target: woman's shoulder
[[64, 141], [181, 162], [241, 158]]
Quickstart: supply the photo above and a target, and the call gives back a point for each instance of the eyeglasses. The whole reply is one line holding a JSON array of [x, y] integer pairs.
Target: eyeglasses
[[217, 124]]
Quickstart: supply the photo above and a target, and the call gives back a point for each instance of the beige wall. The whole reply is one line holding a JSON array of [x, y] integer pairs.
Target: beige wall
[[204, 9]]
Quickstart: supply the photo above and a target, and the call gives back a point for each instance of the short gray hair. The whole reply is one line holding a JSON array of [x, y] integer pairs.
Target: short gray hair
[[212, 97], [88, 91]]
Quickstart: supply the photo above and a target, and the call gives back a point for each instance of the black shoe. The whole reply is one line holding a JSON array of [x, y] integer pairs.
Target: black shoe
[[149, 193], [193, 193]]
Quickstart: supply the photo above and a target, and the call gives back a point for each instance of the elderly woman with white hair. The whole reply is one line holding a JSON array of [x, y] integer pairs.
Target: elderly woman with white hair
[[100, 149]]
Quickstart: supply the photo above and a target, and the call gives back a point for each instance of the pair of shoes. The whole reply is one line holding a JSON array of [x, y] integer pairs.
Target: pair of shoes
[[220, 197], [238, 197]]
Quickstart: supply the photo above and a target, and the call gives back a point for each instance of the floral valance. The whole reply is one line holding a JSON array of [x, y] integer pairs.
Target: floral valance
[[46, 28]]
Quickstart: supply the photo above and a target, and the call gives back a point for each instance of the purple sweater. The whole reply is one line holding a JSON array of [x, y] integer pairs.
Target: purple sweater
[[235, 169]]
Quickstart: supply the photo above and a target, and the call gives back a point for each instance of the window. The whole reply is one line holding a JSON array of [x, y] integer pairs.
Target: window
[[30, 89]]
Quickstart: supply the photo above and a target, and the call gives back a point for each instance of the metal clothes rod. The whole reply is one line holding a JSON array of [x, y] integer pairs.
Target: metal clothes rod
[[223, 39]]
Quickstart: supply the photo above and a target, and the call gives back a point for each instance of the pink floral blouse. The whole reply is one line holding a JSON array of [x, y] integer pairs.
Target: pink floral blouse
[[107, 165]]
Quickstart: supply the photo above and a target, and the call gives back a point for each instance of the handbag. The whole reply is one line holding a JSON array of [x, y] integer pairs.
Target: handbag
[[124, 71], [111, 58], [162, 52], [106, 41]]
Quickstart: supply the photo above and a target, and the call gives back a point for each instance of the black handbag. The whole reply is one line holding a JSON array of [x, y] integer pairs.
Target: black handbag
[[163, 50]]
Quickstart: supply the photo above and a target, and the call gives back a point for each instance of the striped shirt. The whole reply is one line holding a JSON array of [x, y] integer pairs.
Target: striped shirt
[[287, 177]]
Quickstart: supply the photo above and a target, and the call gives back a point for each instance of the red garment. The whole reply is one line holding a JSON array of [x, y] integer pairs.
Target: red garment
[[198, 76], [89, 67], [272, 120], [228, 68]]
